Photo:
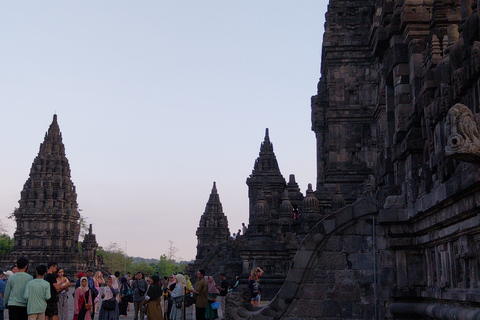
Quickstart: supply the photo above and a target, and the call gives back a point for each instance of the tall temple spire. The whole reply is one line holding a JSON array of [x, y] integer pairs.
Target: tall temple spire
[[266, 176], [47, 218], [213, 227]]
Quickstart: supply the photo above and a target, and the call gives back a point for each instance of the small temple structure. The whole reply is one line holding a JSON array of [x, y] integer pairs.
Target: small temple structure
[[213, 228]]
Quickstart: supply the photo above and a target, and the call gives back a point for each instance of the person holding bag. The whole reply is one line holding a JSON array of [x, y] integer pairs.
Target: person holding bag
[[178, 298], [154, 300], [139, 289], [211, 312], [109, 306], [83, 302]]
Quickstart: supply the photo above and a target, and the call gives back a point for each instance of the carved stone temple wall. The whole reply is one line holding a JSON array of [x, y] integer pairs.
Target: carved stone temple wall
[[47, 218], [395, 233]]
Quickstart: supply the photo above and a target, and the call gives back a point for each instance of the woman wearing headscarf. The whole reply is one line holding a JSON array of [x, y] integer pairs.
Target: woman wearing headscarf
[[172, 282], [212, 295], [83, 303], [178, 298], [154, 303], [125, 293], [109, 306]]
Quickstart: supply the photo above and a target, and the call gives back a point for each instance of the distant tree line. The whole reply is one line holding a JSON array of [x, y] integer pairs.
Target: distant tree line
[[115, 259]]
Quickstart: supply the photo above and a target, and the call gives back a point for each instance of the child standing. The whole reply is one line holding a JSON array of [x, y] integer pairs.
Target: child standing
[[37, 293]]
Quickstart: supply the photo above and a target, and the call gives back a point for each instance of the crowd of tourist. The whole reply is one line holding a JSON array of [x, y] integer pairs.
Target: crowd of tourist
[[46, 296]]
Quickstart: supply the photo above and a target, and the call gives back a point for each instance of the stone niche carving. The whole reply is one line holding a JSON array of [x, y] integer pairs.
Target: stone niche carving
[[463, 138]]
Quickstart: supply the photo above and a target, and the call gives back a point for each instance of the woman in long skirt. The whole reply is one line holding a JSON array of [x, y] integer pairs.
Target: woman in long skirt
[[83, 304], [109, 306], [154, 303]]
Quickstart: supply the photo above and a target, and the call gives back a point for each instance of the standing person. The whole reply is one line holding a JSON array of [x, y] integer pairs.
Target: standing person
[[223, 292], [3, 284], [139, 288], [52, 304], [83, 303], [202, 293], [237, 282], [172, 282], [91, 285], [125, 293], [244, 228], [37, 292], [97, 282], [178, 298], [79, 276], [109, 306], [254, 285], [154, 303], [63, 294], [211, 313], [119, 284], [15, 289]]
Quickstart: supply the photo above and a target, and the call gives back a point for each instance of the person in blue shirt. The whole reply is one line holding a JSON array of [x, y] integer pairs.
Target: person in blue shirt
[[3, 284]]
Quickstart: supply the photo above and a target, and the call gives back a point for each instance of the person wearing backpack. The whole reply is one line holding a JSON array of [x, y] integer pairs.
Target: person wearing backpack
[[139, 288]]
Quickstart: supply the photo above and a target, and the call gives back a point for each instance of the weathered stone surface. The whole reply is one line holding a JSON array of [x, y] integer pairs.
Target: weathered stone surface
[[396, 122], [48, 218]]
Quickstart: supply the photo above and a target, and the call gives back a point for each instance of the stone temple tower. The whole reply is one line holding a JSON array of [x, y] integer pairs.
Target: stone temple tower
[[213, 228], [266, 177], [47, 218]]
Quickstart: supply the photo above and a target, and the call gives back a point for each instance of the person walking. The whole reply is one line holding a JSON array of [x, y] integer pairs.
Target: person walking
[[202, 293], [37, 292], [15, 290], [83, 303], [139, 288], [63, 294]]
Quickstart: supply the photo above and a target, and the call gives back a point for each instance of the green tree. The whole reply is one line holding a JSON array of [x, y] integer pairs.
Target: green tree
[[167, 266], [114, 258], [6, 244], [142, 266]]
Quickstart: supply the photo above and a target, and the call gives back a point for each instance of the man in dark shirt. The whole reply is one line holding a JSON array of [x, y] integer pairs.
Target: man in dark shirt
[[223, 292], [51, 313]]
